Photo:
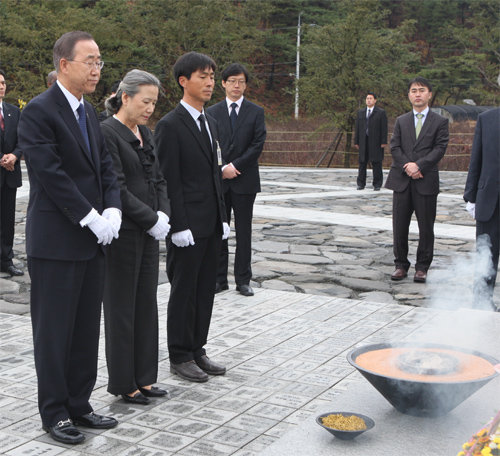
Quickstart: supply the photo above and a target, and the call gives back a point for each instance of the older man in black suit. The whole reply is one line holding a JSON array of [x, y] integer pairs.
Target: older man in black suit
[[370, 139], [72, 183], [190, 161], [10, 179], [242, 133], [482, 193], [418, 144]]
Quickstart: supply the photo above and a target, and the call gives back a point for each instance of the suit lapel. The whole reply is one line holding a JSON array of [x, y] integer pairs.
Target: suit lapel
[[8, 120], [226, 121], [69, 118], [242, 114], [427, 124], [193, 128], [94, 147]]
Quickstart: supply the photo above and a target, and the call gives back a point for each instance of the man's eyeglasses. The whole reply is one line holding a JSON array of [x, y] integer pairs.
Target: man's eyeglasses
[[97, 65], [236, 81]]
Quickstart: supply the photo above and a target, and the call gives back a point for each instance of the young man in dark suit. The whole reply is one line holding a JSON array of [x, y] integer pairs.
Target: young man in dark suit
[[242, 133], [370, 139], [418, 144], [72, 183], [10, 179], [482, 193], [190, 161]]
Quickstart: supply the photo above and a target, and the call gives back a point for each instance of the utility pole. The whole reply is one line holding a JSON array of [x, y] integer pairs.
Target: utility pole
[[297, 71]]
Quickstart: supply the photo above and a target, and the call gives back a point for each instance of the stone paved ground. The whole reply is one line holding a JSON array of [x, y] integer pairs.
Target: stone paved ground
[[285, 349], [315, 233]]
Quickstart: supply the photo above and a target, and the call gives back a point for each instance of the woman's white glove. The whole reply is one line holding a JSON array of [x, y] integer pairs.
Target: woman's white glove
[[161, 228], [183, 238]]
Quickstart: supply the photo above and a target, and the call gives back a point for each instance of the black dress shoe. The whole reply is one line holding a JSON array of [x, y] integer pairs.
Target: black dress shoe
[[13, 271], [245, 290], [221, 287], [137, 398], [359, 187], [209, 366], [376, 189], [189, 371], [65, 432], [153, 392], [95, 421]]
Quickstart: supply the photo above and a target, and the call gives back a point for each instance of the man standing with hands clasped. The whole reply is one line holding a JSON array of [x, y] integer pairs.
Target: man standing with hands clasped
[[418, 144], [10, 180], [370, 140], [242, 134], [73, 210], [190, 160]]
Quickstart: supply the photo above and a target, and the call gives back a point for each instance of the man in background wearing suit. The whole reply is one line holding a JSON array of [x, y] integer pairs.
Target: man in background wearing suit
[[72, 183], [418, 144], [190, 162], [370, 139], [482, 193], [242, 133], [10, 179]]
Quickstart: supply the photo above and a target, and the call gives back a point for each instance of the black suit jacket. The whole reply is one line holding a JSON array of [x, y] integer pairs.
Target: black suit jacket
[[192, 172], [377, 133], [483, 180], [426, 152], [143, 189], [65, 181], [242, 147], [8, 145]]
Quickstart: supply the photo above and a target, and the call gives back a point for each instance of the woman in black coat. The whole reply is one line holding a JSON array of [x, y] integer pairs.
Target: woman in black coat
[[130, 306]]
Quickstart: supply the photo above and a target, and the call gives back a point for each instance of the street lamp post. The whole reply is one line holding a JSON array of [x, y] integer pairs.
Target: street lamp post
[[297, 71]]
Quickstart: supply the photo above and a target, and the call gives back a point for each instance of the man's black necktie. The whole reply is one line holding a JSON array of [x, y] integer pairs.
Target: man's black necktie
[[368, 114], [204, 132], [233, 116], [82, 123]]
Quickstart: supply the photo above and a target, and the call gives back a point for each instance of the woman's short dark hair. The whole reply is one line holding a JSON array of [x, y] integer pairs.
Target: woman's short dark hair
[[191, 62], [419, 80], [130, 84], [64, 48], [233, 70]]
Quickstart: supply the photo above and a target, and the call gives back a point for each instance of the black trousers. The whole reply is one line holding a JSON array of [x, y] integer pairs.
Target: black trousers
[[66, 301], [242, 207], [191, 272], [484, 285], [403, 205], [7, 223], [131, 311], [378, 176]]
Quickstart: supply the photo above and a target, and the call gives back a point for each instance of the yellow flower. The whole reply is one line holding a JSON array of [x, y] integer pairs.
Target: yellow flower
[[486, 451], [461, 453]]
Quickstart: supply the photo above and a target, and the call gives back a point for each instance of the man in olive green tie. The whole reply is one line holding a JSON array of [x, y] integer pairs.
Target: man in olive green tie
[[418, 144]]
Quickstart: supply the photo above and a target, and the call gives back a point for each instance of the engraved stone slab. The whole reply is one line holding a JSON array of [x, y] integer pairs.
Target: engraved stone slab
[[153, 420], [205, 447], [213, 415], [167, 441], [191, 428], [230, 436], [129, 432], [271, 411], [247, 422]]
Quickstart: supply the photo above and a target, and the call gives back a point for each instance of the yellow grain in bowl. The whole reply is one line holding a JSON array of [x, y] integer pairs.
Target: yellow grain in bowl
[[344, 423]]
